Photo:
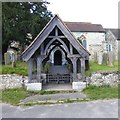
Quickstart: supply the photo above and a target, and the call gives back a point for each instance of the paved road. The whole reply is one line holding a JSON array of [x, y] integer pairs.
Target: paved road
[[94, 109]]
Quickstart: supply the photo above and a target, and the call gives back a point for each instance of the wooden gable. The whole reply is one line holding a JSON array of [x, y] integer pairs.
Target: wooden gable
[[56, 21]]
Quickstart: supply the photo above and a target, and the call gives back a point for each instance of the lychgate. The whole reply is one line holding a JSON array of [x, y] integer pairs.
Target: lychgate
[[55, 56]]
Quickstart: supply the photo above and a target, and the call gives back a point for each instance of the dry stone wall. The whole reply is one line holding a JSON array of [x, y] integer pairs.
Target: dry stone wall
[[100, 78], [12, 81]]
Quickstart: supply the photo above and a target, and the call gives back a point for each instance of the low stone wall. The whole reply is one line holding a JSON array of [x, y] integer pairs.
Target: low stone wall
[[12, 81], [104, 78], [98, 78]]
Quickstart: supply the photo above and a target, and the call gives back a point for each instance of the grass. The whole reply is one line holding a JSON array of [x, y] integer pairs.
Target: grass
[[96, 67], [21, 69], [14, 96], [103, 92]]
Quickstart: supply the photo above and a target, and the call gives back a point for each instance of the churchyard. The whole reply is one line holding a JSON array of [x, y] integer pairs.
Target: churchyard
[[93, 91]]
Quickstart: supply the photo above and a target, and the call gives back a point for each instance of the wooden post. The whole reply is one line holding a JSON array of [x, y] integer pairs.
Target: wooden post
[[74, 60], [42, 49], [83, 68], [71, 49], [30, 65], [56, 31], [38, 69]]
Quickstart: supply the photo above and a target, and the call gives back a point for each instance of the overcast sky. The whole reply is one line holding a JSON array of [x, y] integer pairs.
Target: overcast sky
[[103, 12]]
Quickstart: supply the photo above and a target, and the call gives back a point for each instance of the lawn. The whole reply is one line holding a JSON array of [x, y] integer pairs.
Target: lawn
[[103, 92], [22, 68], [96, 67]]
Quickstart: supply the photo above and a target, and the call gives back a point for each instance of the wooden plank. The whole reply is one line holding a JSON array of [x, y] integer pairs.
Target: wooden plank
[[56, 37], [56, 31], [60, 40], [71, 49]]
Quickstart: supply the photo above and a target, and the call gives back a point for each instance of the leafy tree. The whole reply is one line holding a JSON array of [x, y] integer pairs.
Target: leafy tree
[[20, 19]]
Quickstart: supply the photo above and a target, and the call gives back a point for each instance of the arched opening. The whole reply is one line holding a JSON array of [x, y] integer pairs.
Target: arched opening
[[58, 58]]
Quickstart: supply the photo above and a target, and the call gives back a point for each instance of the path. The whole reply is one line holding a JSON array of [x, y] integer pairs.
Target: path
[[55, 97], [93, 109]]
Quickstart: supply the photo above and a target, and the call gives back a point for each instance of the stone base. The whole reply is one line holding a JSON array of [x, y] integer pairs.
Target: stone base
[[34, 86], [78, 85]]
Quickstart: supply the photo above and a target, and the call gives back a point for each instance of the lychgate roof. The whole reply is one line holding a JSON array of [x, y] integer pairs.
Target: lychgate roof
[[56, 21]]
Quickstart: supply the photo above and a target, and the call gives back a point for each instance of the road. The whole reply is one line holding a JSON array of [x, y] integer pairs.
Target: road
[[93, 109]]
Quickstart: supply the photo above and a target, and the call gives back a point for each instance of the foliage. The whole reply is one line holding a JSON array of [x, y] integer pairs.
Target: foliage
[[103, 92], [22, 18]]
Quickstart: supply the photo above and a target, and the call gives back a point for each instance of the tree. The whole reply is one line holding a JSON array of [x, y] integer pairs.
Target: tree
[[20, 19]]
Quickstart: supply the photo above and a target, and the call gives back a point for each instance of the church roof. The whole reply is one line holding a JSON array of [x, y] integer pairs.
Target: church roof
[[116, 32], [56, 21], [84, 27]]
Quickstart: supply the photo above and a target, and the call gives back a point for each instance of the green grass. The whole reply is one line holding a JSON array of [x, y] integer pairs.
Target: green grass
[[21, 69], [13, 96], [96, 67], [103, 92]]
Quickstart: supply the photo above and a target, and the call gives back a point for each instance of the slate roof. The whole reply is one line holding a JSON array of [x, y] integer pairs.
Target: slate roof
[[84, 27], [116, 32]]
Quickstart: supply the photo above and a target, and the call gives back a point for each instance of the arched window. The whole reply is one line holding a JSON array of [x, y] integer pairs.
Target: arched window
[[82, 40], [109, 47]]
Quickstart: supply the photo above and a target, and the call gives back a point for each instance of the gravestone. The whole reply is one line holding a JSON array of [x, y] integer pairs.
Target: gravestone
[[95, 56], [100, 58], [13, 60], [7, 58], [111, 59], [105, 59]]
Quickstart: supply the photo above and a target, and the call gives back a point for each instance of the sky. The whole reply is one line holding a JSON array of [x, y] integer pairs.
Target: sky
[[104, 12]]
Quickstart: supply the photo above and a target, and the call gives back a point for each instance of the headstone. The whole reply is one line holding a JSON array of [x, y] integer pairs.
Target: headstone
[[110, 59], [13, 60], [95, 56], [100, 58], [7, 58], [105, 59]]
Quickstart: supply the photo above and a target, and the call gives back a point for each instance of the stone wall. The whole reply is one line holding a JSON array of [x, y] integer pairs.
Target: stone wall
[[12, 81], [98, 79], [104, 78]]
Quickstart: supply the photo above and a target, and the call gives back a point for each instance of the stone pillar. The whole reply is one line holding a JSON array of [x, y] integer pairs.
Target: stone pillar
[[38, 69], [30, 65], [83, 68]]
